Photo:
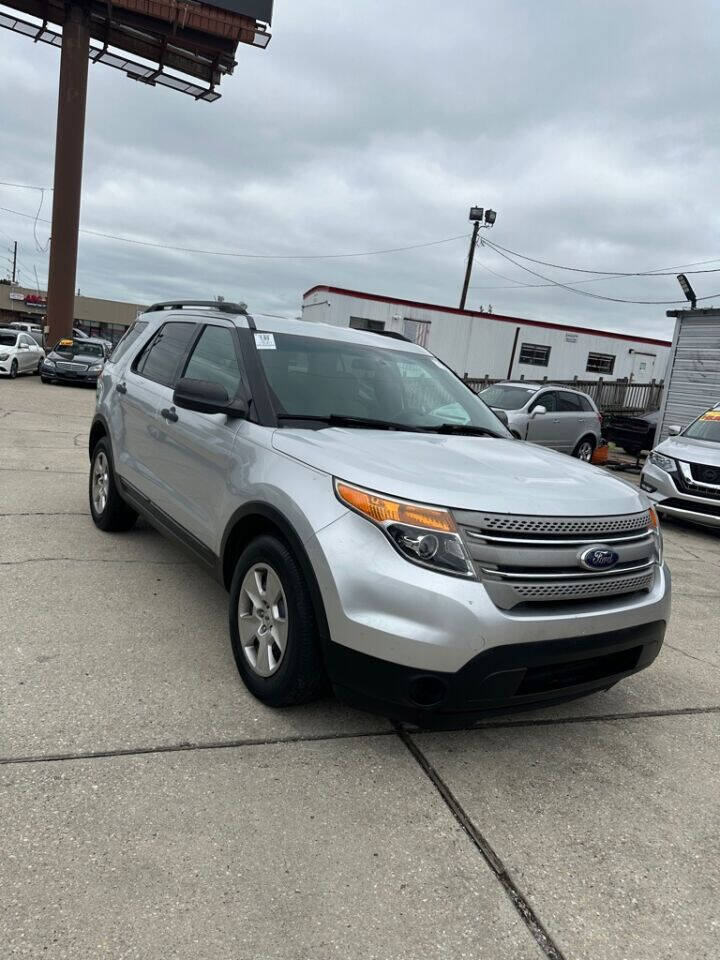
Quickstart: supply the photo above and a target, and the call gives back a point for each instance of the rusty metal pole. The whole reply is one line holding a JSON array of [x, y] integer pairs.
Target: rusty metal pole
[[69, 141]]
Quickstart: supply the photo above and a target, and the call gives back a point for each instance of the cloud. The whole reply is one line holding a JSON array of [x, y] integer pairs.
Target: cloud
[[589, 127]]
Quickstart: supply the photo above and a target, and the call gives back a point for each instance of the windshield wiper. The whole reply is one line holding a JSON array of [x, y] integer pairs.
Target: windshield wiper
[[339, 420], [465, 429]]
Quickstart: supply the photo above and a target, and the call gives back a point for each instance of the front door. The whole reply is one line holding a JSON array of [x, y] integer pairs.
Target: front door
[[544, 428]]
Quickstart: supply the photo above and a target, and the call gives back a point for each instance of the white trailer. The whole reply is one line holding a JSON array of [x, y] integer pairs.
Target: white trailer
[[478, 344], [693, 375]]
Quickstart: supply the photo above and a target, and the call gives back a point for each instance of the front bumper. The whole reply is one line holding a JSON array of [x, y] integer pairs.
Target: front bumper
[[391, 622], [62, 376], [671, 500]]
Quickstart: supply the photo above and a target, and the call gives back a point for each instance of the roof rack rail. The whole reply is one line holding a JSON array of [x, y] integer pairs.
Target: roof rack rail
[[222, 305], [392, 334]]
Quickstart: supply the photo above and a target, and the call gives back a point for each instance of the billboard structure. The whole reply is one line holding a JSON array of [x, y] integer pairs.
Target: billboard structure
[[184, 45]]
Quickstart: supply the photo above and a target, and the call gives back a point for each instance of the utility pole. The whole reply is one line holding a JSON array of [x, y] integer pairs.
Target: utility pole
[[68, 172], [471, 257], [476, 215], [14, 262]]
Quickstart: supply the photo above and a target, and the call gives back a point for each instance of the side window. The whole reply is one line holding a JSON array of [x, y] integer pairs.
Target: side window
[[214, 359], [127, 340], [569, 402], [160, 359], [586, 404], [26, 341], [547, 400]]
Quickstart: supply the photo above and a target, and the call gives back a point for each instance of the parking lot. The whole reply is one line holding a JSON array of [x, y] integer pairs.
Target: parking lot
[[153, 809]]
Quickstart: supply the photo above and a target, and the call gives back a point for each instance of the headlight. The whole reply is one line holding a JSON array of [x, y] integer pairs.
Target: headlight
[[665, 463], [4, 356], [424, 535], [655, 522], [48, 363], [95, 368]]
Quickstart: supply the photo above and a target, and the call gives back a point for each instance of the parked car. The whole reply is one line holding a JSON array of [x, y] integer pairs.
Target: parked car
[[80, 334], [430, 568], [682, 474], [19, 353], [632, 433], [557, 417], [74, 361]]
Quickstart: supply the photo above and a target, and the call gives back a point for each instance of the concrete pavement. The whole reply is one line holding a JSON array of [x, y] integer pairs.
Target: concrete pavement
[[152, 808]]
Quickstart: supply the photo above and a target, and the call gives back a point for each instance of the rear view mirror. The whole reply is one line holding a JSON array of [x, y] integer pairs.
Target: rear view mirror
[[538, 411], [205, 396], [674, 431]]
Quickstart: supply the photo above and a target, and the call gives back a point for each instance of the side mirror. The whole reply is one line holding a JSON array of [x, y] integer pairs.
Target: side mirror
[[538, 411], [205, 396], [502, 417], [674, 431]]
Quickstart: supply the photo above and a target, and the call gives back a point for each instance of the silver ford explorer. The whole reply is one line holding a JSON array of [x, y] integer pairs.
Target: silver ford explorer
[[376, 524]]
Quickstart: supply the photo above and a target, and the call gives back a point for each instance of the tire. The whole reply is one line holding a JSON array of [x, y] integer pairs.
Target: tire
[[13, 369], [109, 511], [585, 449], [44, 379], [280, 676]]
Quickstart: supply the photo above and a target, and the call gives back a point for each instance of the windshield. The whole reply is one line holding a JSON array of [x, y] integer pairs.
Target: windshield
[[7, 338], [706, 427], [318, 378], [507, 398], [79, 348]]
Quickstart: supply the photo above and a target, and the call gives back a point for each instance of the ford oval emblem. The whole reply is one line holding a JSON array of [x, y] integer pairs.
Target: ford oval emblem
[[598, 558]]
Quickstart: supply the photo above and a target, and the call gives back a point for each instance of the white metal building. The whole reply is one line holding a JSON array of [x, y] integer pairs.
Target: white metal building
[[693, 376], [489, 344]]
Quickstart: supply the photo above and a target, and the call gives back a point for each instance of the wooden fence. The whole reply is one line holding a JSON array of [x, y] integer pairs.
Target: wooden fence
[[611, 396]]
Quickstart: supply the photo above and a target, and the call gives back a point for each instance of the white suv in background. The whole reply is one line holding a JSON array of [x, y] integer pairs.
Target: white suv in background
[[559, 417]]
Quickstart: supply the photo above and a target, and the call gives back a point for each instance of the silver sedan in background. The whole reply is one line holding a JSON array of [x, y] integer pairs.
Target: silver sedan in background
[[558, 417]]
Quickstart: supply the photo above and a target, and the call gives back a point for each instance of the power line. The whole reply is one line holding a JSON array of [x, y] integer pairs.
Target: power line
[[246, 256], [661, 271], [586, 293], [23, 186]]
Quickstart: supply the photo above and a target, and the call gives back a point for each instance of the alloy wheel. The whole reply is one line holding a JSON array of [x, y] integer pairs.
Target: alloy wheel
[[263, 619], [100, 483], [585, 451]]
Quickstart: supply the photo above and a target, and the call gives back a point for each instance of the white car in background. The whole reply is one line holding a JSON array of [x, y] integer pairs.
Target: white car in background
[[19, 353]]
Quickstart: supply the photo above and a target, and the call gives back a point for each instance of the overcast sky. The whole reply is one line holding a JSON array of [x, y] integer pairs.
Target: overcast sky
[[591, 126]]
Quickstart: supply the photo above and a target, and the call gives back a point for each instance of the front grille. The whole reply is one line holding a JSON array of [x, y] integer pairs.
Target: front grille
[[67, 366], [583, 590], [597, 526], [705, 473], [536, 559]]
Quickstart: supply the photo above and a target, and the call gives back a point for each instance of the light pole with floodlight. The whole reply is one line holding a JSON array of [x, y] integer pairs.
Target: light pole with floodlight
[[479, 219]]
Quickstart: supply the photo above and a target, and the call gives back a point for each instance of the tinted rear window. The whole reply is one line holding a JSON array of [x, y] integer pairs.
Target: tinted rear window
[[506, 398]]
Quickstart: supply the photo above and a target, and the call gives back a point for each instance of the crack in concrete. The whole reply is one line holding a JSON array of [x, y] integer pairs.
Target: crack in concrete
[[529, 917], [710, 663]]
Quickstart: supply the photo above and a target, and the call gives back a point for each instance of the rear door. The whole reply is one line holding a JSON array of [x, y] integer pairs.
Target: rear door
[[194, 451], [28, 356], [142, 454], [575, 420]]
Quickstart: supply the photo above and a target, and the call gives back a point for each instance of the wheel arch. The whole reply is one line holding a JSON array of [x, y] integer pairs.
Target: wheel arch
[[98, 430], [249, 522]]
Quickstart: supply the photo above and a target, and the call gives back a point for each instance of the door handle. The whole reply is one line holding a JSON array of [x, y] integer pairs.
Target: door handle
[[556, 421], [169, 414], [121, 388]]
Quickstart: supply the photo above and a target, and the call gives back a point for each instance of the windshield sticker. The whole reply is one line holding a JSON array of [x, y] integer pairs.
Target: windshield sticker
[[711, 415], [265, 341]]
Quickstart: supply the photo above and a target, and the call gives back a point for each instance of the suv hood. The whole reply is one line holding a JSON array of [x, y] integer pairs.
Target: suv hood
[[468, 473], [691, 451]]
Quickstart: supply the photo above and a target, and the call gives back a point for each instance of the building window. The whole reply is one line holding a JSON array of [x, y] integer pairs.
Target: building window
[[600, 363], [534, 354], [361, 323], [417, 330]]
